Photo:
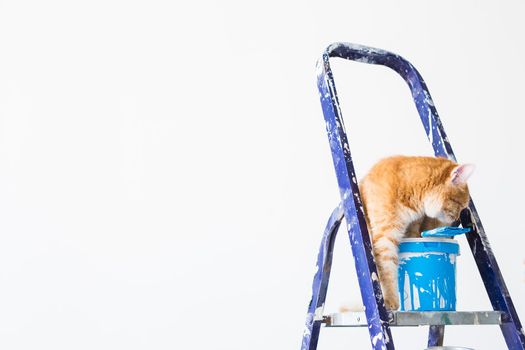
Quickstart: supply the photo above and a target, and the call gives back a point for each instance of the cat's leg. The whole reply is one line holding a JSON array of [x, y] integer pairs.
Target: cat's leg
[[386, 247], [429, 223], [414, 229]]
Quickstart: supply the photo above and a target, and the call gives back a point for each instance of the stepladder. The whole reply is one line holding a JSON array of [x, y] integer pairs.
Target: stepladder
[[376, 317]]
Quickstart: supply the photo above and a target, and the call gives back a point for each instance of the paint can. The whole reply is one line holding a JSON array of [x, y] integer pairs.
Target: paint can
[[427, 274]]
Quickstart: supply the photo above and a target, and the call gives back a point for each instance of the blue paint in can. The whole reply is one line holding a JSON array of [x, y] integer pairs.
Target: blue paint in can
[[427, 274]]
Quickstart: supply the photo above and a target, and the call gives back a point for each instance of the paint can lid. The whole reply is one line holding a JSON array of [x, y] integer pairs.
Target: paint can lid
[[445, 231]]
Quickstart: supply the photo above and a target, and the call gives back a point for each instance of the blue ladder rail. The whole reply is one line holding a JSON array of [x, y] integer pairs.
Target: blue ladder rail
[[352, 209]]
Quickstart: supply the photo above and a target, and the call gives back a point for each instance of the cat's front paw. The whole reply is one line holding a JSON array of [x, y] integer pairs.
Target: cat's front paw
[[392, 303]]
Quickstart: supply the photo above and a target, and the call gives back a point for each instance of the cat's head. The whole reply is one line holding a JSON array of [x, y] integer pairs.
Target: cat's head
[[450, 195]]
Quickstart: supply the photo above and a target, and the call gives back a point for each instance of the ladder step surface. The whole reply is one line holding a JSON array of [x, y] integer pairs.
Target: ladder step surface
[[419, 318]]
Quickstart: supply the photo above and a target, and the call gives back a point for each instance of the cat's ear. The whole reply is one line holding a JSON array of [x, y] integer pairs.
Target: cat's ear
[[461, 173]]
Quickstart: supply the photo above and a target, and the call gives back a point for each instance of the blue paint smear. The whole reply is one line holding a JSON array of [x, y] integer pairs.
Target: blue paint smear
[[427, 280], [446, 231]]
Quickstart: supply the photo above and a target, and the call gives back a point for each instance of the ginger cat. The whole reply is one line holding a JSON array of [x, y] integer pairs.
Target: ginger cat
[[403, 196]]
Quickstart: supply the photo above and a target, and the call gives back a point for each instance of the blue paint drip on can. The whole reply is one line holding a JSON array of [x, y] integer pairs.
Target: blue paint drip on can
[[427, 274]]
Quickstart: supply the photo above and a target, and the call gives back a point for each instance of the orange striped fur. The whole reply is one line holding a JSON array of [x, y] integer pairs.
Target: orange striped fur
[[403, 196]]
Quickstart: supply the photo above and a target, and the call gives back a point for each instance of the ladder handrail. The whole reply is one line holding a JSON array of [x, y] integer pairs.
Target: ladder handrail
[[424, 104]]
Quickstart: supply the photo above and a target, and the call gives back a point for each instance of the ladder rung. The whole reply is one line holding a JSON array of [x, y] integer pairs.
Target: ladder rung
[[419, 318]]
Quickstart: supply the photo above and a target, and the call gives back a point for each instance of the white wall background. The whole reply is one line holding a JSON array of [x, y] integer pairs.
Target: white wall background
[[165, 174]]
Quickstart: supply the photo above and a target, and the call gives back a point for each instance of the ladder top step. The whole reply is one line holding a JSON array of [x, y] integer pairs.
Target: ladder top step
[[419, 318]]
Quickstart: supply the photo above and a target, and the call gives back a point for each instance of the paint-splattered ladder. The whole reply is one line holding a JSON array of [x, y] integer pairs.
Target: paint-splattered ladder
[[376, 316]]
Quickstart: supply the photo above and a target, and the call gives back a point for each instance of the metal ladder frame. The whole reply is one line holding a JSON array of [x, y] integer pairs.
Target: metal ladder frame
[[378, 319]]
